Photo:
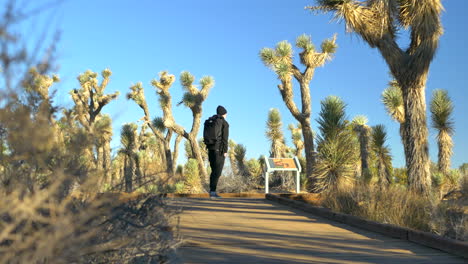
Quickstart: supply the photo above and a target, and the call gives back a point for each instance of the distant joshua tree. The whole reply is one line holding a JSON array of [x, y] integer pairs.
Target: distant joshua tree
[[382, 154], [378, 23], [296, 137], [280, 60], [103, 134], [275, 134], [128, 139], [193, 98], [441, 110], [239, 153], [89, 101], [360, 126], [137, 94]]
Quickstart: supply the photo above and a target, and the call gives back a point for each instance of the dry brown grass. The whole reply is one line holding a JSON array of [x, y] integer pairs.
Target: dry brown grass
[[400, 207], [110, 228]]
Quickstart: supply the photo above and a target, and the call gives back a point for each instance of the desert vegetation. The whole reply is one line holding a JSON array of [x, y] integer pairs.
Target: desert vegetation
[[60, 178]]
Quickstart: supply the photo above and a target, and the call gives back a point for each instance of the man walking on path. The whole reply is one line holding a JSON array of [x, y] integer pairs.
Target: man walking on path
[[217, 147]]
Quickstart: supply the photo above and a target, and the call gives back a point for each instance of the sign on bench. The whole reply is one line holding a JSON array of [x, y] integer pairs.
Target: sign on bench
[[282, 164]]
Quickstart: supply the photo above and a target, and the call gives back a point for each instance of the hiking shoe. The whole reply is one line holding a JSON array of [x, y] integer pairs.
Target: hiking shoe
[[214, 195]]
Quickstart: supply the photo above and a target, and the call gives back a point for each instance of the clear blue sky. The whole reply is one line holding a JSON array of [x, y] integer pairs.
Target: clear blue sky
[[138, 39]]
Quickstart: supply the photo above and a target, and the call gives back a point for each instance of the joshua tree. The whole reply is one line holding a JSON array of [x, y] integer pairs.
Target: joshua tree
[[441, 111], [89, 101], [193, 98], [103, 134], [296, 137], [137, 94], [232, 156], [364, 133], [382, 154], [274, 133], [280, 60], [239, 153], [128, 139], [378, 23], [336, 147], [90, 98]]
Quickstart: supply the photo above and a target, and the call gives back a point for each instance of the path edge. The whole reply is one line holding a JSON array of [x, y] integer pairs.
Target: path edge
[[427, 239]]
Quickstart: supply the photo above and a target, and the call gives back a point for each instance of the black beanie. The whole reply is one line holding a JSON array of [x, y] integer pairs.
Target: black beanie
[[221, 110]]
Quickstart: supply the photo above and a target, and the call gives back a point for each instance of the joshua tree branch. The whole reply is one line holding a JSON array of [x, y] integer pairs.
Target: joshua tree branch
[[286, 92]]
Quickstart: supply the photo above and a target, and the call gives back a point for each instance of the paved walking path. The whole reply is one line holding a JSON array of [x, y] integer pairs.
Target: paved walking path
[[240, 230]]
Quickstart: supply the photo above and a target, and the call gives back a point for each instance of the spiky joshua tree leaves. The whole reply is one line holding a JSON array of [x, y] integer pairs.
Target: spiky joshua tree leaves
[[336, 147], [280, 60], [378, 23], [90, 98], [392, 99], [274, 133], [382, 154], [128, 139], [441, 115]]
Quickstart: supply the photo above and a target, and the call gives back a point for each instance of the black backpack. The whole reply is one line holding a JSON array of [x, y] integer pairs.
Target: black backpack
[[212, 130]]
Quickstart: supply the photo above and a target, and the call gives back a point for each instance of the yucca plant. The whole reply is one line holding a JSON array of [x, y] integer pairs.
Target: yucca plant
[[239, 153], [441, 115], [379, 23], [332, 117], [232, 156], [383, 156], [336, 147], [274, 133], [128, 140], [280, 60]]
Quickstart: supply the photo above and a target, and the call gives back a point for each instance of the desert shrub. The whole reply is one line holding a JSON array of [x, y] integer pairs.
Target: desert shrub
[[400, 207], [44, 155], [450, 220], [233, 183], [41, 227], [389, 206], [191, 177]]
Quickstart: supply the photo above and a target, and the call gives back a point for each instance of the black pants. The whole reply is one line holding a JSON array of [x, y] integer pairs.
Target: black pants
[[216, 159]]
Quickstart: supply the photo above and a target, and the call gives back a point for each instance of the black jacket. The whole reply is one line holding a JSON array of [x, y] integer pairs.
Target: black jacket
[[222, 143]]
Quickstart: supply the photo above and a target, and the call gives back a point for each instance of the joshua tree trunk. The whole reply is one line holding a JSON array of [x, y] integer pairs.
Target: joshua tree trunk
[[308, 145], [100, 157], [176, 152], [168, 155], [445, 146], [107, 161], [128, 171], [416, 149], [197, 153], [364, 136]]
